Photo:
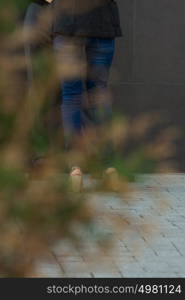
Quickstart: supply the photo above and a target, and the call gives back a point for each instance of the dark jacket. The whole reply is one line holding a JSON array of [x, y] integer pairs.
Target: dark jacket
[[87, 18], [41, 2]]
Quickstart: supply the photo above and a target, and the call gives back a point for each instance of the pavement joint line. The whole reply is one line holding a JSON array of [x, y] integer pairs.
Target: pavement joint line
[[176, 248], [58, 262]]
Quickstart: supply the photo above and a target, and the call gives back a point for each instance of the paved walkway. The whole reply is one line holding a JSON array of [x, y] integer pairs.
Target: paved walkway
[[150, 241]]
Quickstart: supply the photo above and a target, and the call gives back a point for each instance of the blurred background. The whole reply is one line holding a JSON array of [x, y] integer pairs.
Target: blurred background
[[151, 62]]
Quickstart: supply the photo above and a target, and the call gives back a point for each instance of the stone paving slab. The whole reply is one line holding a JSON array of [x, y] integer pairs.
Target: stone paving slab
[[138, 253]]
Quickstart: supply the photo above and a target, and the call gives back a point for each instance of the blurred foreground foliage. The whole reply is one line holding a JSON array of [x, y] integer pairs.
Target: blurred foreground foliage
[[37, 206]]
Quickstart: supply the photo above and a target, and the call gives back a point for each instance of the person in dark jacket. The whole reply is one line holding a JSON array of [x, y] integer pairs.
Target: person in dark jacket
[[91, 27], [84, 28], [34, 11]]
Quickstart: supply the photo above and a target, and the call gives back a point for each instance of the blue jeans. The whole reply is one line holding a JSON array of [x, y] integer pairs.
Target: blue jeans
[[99, 54]]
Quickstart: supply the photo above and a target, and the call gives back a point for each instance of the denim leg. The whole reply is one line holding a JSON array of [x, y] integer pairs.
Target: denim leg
[[72, 91], [72, 94], [100, 53]]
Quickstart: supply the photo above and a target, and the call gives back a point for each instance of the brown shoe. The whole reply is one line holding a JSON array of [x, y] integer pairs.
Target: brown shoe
[[76, 178], [112, 179]]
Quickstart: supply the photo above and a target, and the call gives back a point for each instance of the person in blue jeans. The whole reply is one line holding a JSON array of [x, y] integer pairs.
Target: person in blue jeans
[[90, 27]]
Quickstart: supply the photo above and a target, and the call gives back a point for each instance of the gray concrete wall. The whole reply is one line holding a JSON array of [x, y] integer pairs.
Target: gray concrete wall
[[149, 70]]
